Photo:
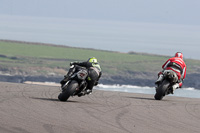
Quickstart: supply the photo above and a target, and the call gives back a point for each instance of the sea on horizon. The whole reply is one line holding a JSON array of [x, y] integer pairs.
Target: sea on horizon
[[183, 92]]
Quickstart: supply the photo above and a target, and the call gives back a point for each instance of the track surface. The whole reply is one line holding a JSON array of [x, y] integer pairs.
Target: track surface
[[35, 109]]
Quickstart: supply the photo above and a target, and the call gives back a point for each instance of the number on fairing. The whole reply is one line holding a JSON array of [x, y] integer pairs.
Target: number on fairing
[[82, 74]]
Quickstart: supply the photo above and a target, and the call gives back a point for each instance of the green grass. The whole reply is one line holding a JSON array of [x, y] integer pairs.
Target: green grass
[[34, 55]]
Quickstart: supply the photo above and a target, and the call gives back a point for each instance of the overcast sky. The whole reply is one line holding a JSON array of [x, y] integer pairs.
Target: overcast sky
[[153, 26], [155, 11]]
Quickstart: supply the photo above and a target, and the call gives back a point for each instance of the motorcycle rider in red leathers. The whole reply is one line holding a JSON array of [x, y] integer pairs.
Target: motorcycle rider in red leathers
[[177, 65]]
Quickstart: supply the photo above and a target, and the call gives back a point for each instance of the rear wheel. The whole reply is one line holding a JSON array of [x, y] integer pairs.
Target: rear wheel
[[161, 90], [68, 91]]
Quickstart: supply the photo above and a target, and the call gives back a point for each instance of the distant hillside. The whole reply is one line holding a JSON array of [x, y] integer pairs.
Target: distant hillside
[[49, 62]]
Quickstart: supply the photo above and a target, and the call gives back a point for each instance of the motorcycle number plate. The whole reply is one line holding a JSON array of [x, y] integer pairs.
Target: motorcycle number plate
[[82, 74]]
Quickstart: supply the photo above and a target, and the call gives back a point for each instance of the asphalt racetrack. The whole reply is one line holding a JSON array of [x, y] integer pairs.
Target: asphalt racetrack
[[26, 108]]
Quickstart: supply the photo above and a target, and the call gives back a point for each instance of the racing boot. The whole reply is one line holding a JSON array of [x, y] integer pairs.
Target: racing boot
[[174, 87], [88, 91]]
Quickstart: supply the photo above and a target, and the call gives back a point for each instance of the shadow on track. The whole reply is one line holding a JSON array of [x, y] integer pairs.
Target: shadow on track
[[142, 98], [50, 99]]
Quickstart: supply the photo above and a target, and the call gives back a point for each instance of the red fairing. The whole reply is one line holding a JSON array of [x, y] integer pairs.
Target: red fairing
[[160, 73], [178, 61]]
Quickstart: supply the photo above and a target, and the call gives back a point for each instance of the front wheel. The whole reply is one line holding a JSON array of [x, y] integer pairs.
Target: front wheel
[[68, 91], [161, 90]]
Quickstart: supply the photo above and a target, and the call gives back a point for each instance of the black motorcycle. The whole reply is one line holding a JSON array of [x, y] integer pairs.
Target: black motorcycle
[[76, 85], [165, 86]]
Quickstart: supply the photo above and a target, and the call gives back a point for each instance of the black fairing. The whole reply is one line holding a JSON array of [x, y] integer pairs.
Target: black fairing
[[165, 87], [170, 76]]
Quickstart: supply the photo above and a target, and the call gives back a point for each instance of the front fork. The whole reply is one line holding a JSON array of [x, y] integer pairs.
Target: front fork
[[64, 86]]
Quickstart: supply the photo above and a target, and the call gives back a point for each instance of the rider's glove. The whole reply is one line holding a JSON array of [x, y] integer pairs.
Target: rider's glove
[[71, 63]]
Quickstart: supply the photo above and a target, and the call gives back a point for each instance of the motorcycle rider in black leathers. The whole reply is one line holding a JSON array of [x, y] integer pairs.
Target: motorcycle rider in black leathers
[[94, 73]]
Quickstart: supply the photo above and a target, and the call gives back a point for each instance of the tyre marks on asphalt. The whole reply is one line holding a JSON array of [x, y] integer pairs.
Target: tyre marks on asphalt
[[108, 109], [193, 110], [35, 108]]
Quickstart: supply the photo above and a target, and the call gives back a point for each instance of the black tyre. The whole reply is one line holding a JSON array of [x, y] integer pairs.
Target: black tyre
[[69, 90], [161, 90]]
